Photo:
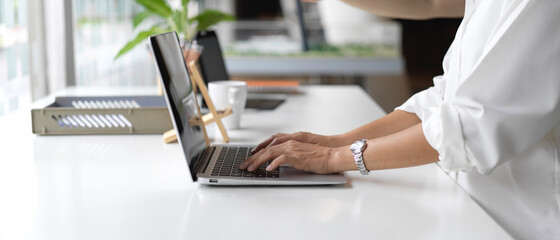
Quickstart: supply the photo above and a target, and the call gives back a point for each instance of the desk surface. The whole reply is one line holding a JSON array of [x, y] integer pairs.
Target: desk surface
[[136, 187]]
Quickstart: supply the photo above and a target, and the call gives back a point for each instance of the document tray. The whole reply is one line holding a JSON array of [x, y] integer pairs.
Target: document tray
[[103, 115]]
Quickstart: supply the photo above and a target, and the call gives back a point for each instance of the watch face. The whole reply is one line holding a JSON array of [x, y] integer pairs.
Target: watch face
[[358, 145]]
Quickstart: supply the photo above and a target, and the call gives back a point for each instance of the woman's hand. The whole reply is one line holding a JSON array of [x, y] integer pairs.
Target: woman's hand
[[303, 137], [301, 155]]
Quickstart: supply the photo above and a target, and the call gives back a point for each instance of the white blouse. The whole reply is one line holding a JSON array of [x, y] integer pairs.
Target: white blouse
[[494, 115]]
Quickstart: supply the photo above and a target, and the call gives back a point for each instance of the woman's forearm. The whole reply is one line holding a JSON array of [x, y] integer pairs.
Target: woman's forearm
[[389, 124], [405, 148], [401, 148], [412, 9]]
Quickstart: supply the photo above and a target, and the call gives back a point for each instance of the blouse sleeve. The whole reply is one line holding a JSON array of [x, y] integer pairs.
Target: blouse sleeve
[[508, 103], [441, 125]]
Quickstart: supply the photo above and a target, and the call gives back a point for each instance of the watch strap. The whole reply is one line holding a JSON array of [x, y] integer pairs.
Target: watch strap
[[358, 158]]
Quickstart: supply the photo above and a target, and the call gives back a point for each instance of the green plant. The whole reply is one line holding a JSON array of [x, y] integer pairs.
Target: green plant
[[175, 20]]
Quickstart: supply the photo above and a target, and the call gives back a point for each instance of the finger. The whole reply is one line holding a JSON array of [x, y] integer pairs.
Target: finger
[[268, 155], [271, 152], [278, 154], [249, 161], [265, 143], [258, 160], [277, 162], [281, 139], [262, 145]]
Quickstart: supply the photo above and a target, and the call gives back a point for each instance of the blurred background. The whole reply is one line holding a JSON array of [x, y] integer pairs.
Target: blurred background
[[46, 46]]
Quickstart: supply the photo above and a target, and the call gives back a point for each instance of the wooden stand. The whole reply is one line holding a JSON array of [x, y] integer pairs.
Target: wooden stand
[[202, 121]]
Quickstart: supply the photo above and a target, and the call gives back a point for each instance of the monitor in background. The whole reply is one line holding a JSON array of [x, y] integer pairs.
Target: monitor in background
[[211, 60], [213, 68], [271, 12]]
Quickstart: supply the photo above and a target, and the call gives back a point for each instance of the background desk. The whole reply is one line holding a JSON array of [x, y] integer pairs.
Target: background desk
[[313, 66], [383, 78], [136, 187]]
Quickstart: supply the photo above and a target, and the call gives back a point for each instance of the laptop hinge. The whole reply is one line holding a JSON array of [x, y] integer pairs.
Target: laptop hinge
[[201, 162]]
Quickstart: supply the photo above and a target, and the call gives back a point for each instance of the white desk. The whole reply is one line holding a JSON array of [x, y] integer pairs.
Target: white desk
[[136, 187]]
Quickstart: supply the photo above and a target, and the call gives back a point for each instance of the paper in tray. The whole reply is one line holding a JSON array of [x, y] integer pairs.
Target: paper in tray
[[103, 115]]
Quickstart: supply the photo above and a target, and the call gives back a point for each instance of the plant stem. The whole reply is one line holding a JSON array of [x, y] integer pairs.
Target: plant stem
[[186, 12]]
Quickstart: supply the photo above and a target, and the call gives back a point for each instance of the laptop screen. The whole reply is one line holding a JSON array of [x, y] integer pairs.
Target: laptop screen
[[179, 95]]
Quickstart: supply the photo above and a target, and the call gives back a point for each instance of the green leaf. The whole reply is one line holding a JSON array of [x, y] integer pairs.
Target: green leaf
[[210, 17], [185, 3], [138, 39], [179, 21], [158, 7], [185, 12], [141, 17]]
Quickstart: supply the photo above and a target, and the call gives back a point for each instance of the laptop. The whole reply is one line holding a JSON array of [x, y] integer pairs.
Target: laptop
[[217, 164]]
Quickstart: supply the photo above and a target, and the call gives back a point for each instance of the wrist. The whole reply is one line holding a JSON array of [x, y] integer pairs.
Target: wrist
[[337, 141], [342, 160]]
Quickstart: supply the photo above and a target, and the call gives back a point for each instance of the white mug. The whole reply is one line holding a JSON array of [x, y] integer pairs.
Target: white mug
[[229, 93]]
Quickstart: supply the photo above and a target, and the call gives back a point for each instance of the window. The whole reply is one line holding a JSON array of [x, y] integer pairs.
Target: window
[[101, 29], [14, 56]]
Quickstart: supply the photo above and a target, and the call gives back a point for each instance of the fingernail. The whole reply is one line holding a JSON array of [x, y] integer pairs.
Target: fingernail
[[242, 165], [269, 168]]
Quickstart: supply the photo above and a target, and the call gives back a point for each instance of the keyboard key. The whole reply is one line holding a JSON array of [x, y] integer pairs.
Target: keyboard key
[[260, 174]]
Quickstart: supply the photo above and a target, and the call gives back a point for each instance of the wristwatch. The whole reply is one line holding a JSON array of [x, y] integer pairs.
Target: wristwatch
[[357, 149]]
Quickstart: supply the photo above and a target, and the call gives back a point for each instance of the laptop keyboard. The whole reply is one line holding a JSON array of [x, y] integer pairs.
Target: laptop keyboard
[[229, 160]]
